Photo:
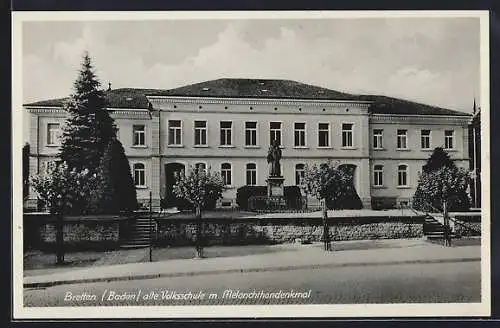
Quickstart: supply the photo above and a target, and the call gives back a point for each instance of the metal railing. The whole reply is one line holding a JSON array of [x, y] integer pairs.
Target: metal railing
[[276, 204], [452, 218]]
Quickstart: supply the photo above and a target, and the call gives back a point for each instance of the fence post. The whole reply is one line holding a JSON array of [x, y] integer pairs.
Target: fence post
[[326, 229], [150, 227]]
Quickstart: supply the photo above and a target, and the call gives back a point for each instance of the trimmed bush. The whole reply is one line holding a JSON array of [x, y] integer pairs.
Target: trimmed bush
[[245, 192], [292, 195]]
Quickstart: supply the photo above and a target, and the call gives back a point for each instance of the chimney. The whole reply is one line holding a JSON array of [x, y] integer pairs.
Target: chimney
[[474, 107], [109, 86]]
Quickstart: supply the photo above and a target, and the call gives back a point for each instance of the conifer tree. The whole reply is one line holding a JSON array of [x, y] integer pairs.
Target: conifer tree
[[89, 128], [115, 191]]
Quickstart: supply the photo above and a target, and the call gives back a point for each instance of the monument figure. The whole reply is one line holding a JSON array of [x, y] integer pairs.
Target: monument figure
[[275, 179], [274, 157]]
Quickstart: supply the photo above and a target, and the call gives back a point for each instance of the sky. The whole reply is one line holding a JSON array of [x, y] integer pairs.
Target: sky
[[429, 60]]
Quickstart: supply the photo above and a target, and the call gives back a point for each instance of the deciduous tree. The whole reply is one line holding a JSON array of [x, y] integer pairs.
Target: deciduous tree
[[198, 187], [59, 189]]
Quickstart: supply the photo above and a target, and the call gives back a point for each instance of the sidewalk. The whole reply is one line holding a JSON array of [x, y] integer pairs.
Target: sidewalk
[[294, 257]]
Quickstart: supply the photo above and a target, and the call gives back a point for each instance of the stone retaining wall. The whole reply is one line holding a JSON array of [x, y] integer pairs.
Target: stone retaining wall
[[467, 226], [251, 231], [86, 232], [110, 232]]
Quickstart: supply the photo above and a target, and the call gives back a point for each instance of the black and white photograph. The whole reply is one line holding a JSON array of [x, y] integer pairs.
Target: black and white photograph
[[251, 164]]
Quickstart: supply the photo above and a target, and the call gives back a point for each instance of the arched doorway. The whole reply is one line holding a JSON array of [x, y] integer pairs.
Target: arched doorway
[[351, 170], [171, 169], [351, 199]]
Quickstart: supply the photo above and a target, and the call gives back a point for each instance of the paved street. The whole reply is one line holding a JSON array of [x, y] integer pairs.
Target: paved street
[[403, 283]]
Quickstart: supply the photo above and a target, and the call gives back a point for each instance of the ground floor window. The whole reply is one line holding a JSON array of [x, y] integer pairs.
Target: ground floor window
[[251, 171], [139, 175], [378, 175], [226, 173], [299, 173], [403, 175]]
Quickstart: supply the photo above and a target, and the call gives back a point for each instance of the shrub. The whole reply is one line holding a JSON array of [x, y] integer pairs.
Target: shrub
[[245, 192], [115, 190], [293, 197]]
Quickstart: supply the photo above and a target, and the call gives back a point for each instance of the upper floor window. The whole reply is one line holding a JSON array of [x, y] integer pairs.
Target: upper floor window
[[323, 134], [377, 139], [225, 171], [139, 135], [448, 139], [52, 134], [174, 132], [275, 132], [251, 171], [200, 133], [139, 175], [250, 133], [425, 139], [347, 135], [402, 175], [226, 128], [299, 173], [378, 175], [299, 134], [402, 142]]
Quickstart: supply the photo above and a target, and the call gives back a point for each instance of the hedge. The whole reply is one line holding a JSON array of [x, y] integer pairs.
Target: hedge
[[292, 195]]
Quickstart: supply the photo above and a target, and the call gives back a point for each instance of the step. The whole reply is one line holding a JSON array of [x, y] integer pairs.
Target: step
[[134, 246]]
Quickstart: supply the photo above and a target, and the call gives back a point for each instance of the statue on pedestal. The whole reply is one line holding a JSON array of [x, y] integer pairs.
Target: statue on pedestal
[[274, 157]]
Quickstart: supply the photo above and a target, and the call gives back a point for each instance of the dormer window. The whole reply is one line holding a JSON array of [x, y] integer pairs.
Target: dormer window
[[205, 89], [264, 90]]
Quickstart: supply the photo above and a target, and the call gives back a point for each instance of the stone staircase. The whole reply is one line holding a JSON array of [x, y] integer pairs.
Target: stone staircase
[[141, 234], [434, 228]]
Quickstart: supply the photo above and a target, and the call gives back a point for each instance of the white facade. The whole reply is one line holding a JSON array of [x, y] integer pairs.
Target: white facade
[[213, 131]]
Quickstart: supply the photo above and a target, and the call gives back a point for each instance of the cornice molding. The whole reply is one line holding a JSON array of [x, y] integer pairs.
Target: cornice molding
[[257, 101], [120, 112], [427, 119]]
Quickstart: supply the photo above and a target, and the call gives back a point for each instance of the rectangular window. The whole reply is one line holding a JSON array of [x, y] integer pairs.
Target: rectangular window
[[139, 135], [347, 132], [139, 175], [299, 173], [200, 133], [226, 173], [251, 174], [323, 134], [299, 134], [402, 175], [250, 133], [425, 139], [378, 175], [448, 139], [52, 134], [226, 138], [402, 139], [175, 132], [377, 139], [275, 132]]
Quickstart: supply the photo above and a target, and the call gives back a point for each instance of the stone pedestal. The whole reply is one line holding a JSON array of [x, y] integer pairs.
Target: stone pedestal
[[275, 187]]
